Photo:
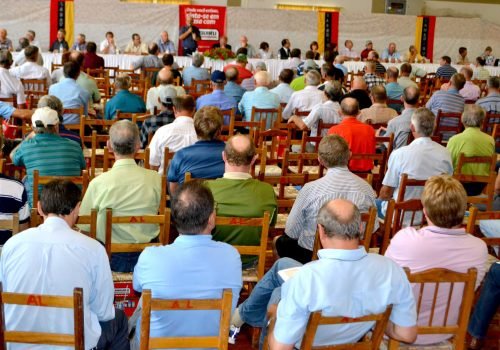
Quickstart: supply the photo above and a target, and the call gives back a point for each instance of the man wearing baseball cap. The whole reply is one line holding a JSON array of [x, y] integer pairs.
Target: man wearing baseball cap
[[240, 65], [217, 98], [366, 51], [44, 150]]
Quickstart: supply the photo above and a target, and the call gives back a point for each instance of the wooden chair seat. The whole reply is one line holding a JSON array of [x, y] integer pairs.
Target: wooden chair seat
[[290, 191], [38, 180], [250, 275], [311, 169], [444, 345], [273, 170], [11, 224], [122, 276], [281, 221]]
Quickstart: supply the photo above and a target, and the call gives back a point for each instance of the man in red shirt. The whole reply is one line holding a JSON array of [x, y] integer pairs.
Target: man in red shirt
[[92, 60], [240, 65], [359, 136]]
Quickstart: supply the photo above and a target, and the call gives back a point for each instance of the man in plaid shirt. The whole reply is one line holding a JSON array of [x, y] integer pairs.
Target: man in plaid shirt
[[165, 117], [371, 78]]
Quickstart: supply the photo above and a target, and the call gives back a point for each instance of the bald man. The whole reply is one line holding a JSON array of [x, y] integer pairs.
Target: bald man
[[359, 91], [150, 61], [251, 52], [344, 267], [166, 79], [253, 196]]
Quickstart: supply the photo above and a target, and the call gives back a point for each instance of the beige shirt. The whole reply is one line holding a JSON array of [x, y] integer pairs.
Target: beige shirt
[[138, 50], [378, 113]]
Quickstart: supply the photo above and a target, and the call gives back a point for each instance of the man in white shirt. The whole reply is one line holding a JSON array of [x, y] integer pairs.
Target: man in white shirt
[[305, 100], [10, 85], [176, 135], [30, 35], [283, 90], [64, 259], [348, 53], [166, 80], [21, 58], [108, 45], [31, 69]]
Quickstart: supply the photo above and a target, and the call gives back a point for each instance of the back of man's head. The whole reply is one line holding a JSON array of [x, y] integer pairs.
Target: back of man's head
[[153, 48], [232, 74], [349, 107], [411, 95], [78, 57], [71, 70], [340, 219], [239, 151], [184, 104], [333, 91], [124, 138], [53, 103], [262, 78], [405, 69], [309, 55], [192, 206], [313, 78], [31, 53], [333, 151], [445, 201], [423, 121], [167, 59], [446, 59], [59, 197], [379, 94], [23, 43], [480, 61], [494, 83], [467, 72], [359, 83], [392, 73], [371, 66], [165, 76], [91, 47], [208, 122], [473, 116], [5, 59], [295, 53], [286, 76], [198, 60], [122, 82], [457, 81]]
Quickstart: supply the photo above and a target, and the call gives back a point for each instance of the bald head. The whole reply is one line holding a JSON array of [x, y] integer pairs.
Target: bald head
[[77, 56], [411, 95], [349, 107], [371, 66], [239, 151], [262, 78], [340, 219], [165, 76], [358, 83]]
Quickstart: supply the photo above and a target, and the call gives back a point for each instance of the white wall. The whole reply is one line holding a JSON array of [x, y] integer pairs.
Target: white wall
[[486, 12]]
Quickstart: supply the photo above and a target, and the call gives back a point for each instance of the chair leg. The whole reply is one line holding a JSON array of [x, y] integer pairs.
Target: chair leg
[[255, 337]]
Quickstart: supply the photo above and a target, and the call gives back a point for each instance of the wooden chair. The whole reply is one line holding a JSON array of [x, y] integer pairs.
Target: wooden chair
[[324, 127], [74, 302], [34, 89], [387, 142], [496, 135], [299, 163], [281, 184], [54, 66], [11, 225], [3, 161], [133, 117], [369, 221], [219, 341], [487, 180], [78, 126], [397, 105], [397, 214], [90, 220], [167, 158], [163, 220], [378, 172], [251, 276], [141, 156], [227, 130], [97, 72], [10, 100], [448, 124], [489, 122], [407, 182], [431, 284], [275, 142], [38, 180], [473, 223], [251, 128], [200, 87], [376, 126], [272, 116]]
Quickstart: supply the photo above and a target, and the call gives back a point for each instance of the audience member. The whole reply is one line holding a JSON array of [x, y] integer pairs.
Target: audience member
[[299, 83], [359, 91], [135, 46], [261, 97], [80, 43], [10, 85], [240, 65], [307, 98], [445, 70], [338, 182], [232, 89], [470, 91], [371, 77], [44, 150], [166, 115], [5, 43], [70, 93], [367, 49], [329, 74], [283, 90], [284, 52], [151, 60], [86, 81], [339, 64], [21, 56], [359, 136], [462, 56], [60, 45], [165, 45], [249, 83], [251, 52], [189, 35], [400, 125], [165, 79], [379, 67], [420, 160], [107, 190], [92, 60], [218, 97], [124, 100], [448, 101], [7, 111], [441, 244], [195, 71], [344, 267], [378, 112], [392, 88], [108, 45], [55, 104], [169, 63], [491, 102], [65, 259], [253, 196], [348, 52], [390, 54], [176, 135], [404, 80], [194, 266], [480, 72], [58, 73], [296, 64]]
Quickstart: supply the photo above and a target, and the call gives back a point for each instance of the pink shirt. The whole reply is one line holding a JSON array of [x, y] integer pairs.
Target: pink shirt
[[470, 91], [435, 247]]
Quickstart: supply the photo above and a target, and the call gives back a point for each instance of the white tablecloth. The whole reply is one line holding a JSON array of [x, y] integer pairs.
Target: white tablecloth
[[273, 66]]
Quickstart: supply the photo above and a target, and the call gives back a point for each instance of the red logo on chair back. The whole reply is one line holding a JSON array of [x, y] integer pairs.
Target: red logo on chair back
[[134, 219], [35, 300]]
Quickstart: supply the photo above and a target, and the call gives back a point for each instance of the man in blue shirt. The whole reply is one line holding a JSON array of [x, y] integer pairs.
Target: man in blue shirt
[[345, 281], [445, 70], [232, 88], [193, 267], [124, 100], [218, 97], [165, 45], [204, 158], [189, 35], [195, 71]]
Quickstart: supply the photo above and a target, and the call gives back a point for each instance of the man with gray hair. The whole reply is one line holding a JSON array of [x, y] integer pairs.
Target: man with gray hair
[[344, 267], [124, 100], [55, 104], [195, 71], [249, 83], [21, 58], [10, 85], [141, 186], [151, 60], [261, 97], [31, 68], [232, 88], [306, 99], [472, 142], [420, 160]]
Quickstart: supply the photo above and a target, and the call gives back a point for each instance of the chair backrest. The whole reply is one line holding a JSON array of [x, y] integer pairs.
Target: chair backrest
[[219, 341], [376, 126], [91, 220], [275, 142], [12, 100], [433, 283], [406, 182], [490, 120], [163, 220], [133, 117], [448, 124], [380, 159], [299, 162], [254, 128], [260, 250], [200, 87], [167, 158], [272, 116], [10, 224], [74, 302], [38, 180], [141, 155], [387, 141], [397, 214], [496, 135], [227, 130], [300, 113], [3, 161], [473, 222], [369, 221], [487, 180], [316, 319]]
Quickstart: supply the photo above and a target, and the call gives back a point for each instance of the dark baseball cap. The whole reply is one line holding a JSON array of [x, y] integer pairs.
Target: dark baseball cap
[[218, 76]]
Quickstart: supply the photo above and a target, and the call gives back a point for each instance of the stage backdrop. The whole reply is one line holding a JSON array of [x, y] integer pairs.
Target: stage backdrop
[[211, 20], [328, 29], [424, 35], [62, 16]]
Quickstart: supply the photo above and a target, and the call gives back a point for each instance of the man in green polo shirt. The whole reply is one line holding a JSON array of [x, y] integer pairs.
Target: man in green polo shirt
[[472, 142], [44, 150], [238, 195]]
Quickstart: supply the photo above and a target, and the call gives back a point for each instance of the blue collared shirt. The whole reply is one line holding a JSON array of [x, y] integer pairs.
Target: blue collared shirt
[[284, 91], [347, 283], [6, 110], [388, 56], [71, 95], [234, 90], [179, 271], [192, 72], [217, 99], [125, 101], [166, 47], [261, 97]]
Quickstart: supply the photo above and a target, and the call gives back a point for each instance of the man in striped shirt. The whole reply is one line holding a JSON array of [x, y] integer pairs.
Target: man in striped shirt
[[339, 182], [445, 70], [449, 101], [491, 103]]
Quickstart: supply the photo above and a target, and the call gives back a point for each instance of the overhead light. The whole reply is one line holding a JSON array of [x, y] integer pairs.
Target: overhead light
[[307, 8]]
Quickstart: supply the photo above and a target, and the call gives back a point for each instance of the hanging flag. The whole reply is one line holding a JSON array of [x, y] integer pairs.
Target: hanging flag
[[424, 35], [328, 29], [62, 16]]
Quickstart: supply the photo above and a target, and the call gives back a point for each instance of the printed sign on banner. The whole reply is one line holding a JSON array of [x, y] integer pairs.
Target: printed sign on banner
[[210, 20]]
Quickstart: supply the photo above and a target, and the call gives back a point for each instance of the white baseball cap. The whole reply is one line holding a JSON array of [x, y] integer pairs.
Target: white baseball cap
[[46, 116]]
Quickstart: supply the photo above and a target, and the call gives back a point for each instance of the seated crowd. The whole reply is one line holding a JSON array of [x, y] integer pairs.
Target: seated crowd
[[202, 153]]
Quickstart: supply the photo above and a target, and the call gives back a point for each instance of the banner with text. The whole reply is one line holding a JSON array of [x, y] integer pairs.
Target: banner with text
[[210, 20], [424, 35], [62, 16], [328, 30]]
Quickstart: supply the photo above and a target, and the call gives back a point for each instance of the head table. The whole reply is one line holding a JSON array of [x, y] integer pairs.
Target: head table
[[274, 66]]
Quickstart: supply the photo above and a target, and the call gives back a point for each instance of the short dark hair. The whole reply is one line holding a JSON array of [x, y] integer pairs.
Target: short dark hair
[[406, 68], [192, 205], [184, 103], [295, 53], [447, 59], [242, 50], [378, 93], [110, 33], [462, 49], [312, 44], [71, 70], [264, 45], [286, 76], [91, 47], [458, 81], [494, 82], [60, 197], [481, 61], [167, 59], [283, 42], [334, 151], [153, 49], [24, 42], [134, 35], [392, 72], [309, 55], [5, 58], [31, 53]]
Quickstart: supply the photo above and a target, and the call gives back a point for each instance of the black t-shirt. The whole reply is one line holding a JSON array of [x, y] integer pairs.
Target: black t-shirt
[[361, 96]]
